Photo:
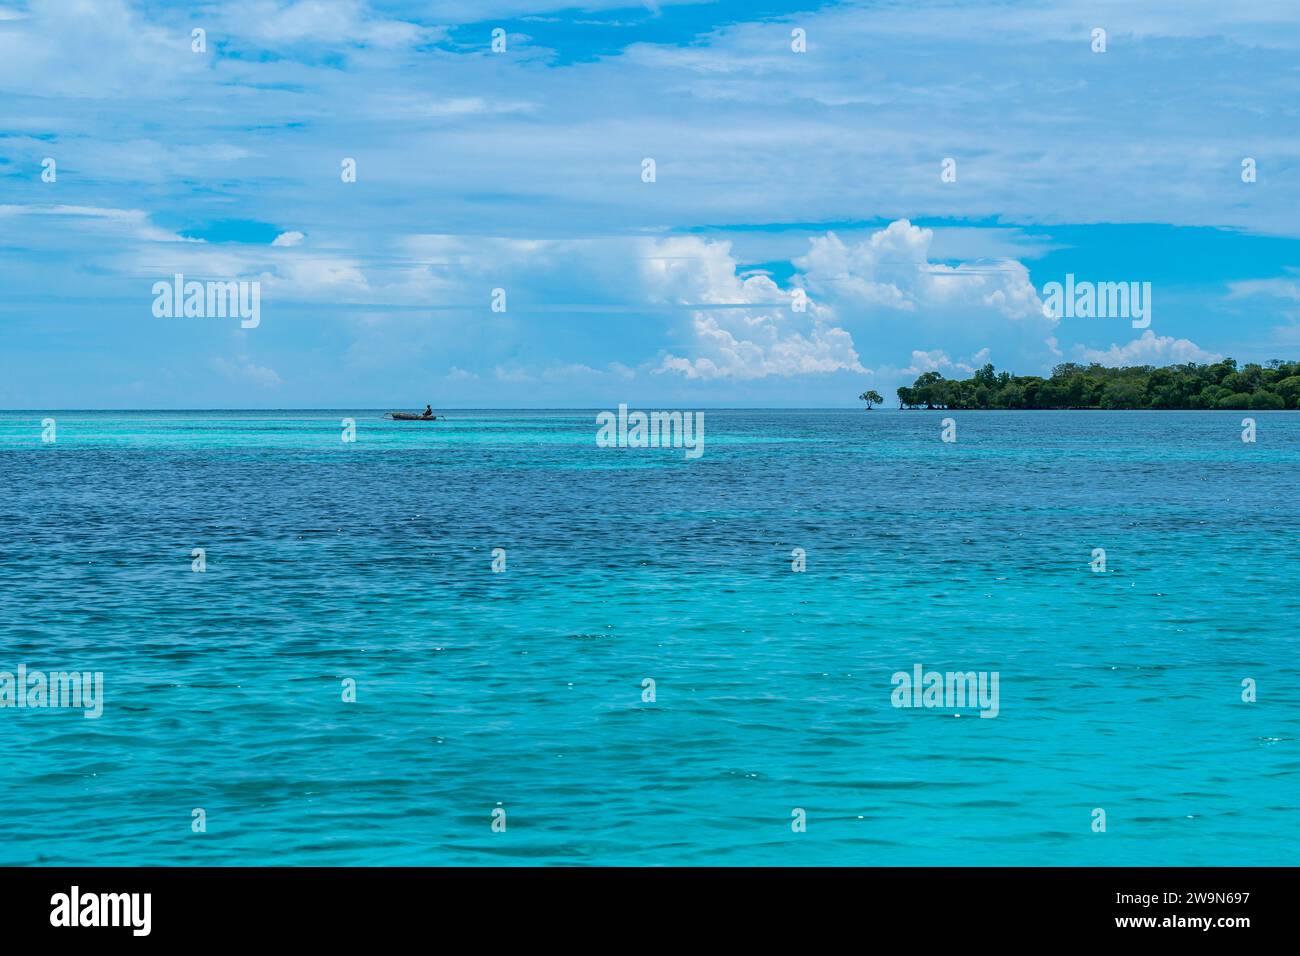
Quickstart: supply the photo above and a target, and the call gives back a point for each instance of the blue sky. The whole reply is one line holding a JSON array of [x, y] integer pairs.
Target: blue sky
[[777, 173]]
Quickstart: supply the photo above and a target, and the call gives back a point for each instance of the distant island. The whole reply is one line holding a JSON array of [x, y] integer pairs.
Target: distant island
[[1274, 385]]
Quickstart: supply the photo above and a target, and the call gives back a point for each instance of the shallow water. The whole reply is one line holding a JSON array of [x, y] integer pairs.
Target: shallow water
[[372, 561]]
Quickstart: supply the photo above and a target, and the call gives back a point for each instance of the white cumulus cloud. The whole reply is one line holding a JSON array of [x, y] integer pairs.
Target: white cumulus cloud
[[1149, 349]]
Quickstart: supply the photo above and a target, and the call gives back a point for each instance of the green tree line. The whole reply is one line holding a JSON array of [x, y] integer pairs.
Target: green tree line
[[1273, 385]]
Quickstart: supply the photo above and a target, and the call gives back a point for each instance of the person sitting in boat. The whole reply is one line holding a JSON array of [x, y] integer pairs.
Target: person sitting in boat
[[428, 411]]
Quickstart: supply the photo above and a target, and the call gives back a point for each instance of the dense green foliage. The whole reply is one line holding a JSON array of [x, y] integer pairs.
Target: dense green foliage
[[1221, 385]]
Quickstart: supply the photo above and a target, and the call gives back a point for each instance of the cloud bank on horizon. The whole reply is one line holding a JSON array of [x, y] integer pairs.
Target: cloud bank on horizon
[[522, 203]]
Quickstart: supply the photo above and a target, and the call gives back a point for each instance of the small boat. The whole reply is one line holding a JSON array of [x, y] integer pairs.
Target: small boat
[[408, 417]]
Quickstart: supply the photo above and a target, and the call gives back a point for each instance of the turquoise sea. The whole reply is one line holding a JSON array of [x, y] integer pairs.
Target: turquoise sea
[[522, 690]]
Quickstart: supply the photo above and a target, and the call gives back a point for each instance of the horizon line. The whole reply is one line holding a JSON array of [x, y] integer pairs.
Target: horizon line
[[683, 408]]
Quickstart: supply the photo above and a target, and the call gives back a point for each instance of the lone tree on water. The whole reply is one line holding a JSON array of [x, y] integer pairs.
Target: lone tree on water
[[871, 397]]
